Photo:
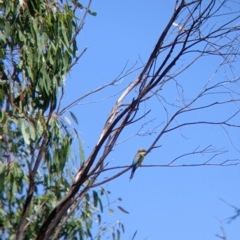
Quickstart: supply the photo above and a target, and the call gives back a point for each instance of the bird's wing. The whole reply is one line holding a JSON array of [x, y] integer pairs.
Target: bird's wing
[[141, 158], [135, 164], [136, 159]]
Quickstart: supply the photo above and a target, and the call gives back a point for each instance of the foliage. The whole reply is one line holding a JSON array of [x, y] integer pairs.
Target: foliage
[[38, 49]]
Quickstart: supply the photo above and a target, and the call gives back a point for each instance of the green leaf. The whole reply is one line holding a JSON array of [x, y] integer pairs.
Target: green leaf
[[73, 117], [92, 13], [81, 150], [14, 189], [32, 132], [99, 219], [25, 131], [67, 120], [7, 29], [118, 234], [111, 211], [1, 118], [79, 5], [123, 210], [122, 226], [2, 178], [95, 199], [113, 236], [100, 204], [66, 42]]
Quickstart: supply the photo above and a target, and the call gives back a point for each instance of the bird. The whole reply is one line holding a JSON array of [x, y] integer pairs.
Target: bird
[[137, 160]]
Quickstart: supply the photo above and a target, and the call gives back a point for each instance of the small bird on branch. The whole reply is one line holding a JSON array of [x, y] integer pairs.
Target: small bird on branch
[[137, 161]]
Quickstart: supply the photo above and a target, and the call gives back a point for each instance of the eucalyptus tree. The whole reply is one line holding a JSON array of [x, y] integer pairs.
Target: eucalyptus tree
[[40, 196]]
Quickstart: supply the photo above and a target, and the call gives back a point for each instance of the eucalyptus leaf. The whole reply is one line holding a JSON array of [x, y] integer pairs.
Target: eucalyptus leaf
[[73, 117]]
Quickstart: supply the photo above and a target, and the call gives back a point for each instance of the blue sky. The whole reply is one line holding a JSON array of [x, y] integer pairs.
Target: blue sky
[[163, 202]]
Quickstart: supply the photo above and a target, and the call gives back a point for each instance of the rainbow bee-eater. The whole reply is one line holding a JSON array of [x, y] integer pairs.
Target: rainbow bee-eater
[[137, 161]]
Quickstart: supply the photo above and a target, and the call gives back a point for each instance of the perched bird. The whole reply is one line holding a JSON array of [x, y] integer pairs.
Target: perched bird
[[137, 161]]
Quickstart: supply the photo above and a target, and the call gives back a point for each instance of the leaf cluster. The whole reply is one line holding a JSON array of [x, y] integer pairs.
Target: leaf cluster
[[37, 50]]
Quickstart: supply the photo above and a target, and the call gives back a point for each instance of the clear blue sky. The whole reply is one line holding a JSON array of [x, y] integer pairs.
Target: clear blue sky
[[164, 203]]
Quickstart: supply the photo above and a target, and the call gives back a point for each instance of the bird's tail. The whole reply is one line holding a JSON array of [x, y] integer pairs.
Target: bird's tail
[[132, 173]]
